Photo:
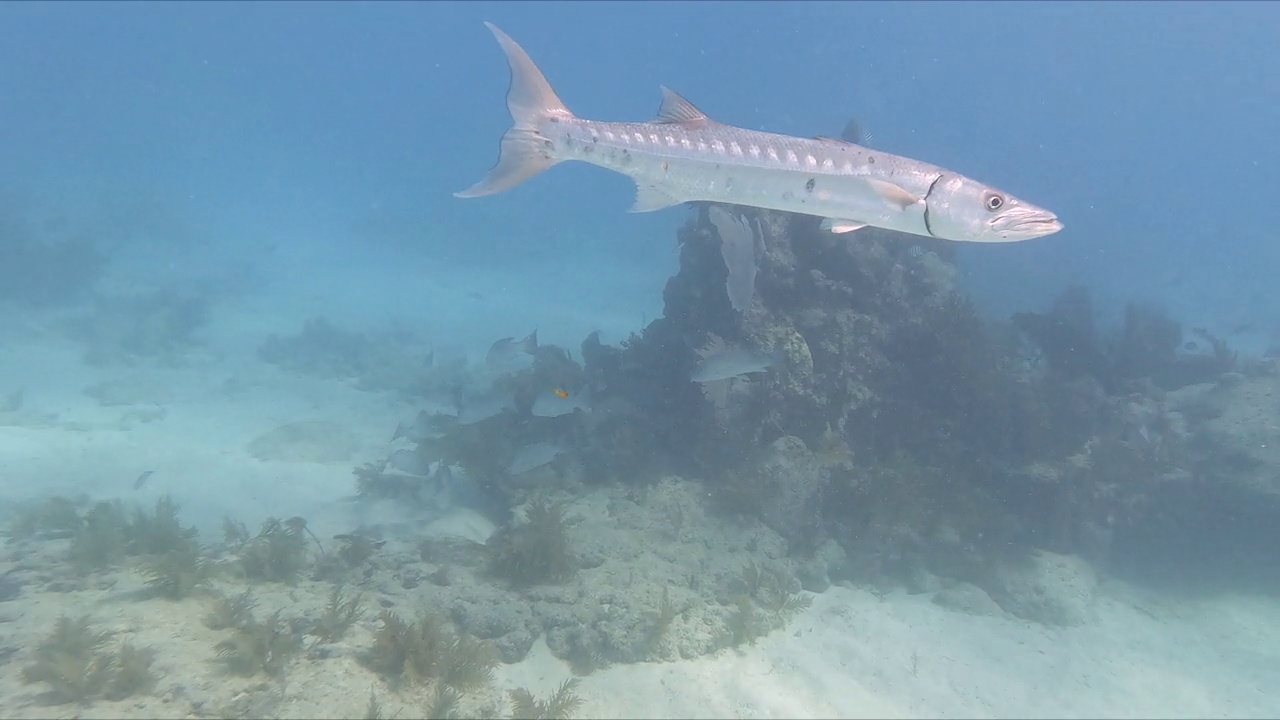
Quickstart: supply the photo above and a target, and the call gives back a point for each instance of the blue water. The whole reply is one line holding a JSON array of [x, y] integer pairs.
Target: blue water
[[1147, 127], [302, 156]]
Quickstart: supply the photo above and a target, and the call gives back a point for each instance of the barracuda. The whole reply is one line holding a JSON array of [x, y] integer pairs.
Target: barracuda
[[684, 156]]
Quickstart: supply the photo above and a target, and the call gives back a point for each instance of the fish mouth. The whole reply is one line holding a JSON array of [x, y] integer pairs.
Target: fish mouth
[[1027, 224]]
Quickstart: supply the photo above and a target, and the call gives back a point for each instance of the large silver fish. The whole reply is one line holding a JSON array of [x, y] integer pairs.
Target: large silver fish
[[684, 156]]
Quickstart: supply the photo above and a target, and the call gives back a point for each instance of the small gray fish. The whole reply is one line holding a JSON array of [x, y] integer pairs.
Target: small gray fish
[[423, 427], [504, 354], [533, 456], [720, 361], [411, 462], [357, 537], [142, 479]]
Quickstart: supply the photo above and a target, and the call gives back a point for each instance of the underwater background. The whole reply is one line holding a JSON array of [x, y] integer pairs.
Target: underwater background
[[288, 430]]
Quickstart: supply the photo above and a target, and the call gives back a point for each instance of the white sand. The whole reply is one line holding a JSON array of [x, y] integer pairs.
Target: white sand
[[851, 655]]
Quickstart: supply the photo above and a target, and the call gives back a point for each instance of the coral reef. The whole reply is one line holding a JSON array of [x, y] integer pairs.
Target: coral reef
[[923, 438], [178, 572], [766, 601], [1148, 346], [340, 614], [561, 705], [172, 561], [426, 650], [784, 485], [74, 663], [228, 612], [885, 362], [71, 660], [259, 646], [277, 554], [535, 551], [52, 517]]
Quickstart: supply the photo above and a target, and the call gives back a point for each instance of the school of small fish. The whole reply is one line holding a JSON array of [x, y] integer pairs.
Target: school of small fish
[[718, 364]]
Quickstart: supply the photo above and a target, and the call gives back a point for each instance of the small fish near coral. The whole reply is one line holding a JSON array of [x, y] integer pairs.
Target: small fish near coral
[[505, 355], [558, 401], [684, 156], [720, 361]]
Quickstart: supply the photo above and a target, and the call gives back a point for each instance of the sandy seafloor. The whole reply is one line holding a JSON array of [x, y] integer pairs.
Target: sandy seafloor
[[852, 654]]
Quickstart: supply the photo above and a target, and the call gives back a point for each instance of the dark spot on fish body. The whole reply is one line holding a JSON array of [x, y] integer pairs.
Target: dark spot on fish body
[[666, 167], [871, 159], [808, 187], [626, 157]]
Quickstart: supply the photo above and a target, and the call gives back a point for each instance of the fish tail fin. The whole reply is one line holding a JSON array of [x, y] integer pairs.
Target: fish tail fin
[[529, 345], [525, 151]]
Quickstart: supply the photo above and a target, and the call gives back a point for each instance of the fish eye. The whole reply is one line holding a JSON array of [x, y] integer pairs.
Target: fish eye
[[994, 202]]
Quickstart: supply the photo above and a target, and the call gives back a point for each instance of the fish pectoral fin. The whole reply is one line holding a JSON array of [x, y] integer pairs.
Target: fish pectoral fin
[[895, 195], [837, 225], [652, 197], [675, 109]]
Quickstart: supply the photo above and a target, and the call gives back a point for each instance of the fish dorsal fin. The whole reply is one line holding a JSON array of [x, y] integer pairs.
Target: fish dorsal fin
[[854, 133], [675, 109]]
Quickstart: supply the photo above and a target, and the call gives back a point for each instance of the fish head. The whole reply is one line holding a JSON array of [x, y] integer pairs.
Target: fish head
[[963, 209]]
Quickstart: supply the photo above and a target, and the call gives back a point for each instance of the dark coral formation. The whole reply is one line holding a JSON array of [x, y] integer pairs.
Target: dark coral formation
[[899, 439], [879, 349], [1148, 346], [896, 421], [920, 435], [75, 663], [884, 361]]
